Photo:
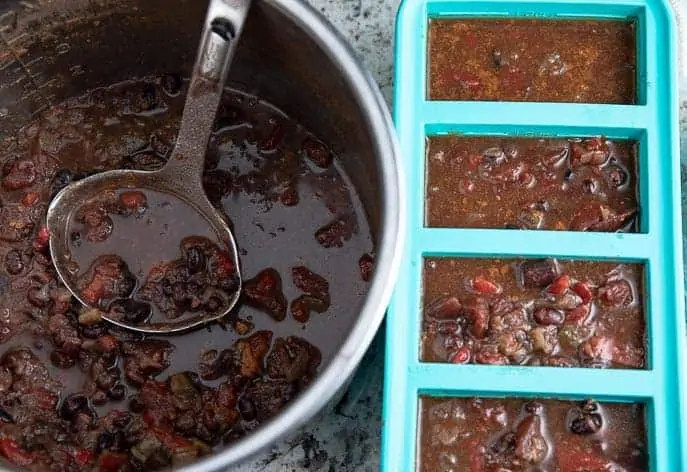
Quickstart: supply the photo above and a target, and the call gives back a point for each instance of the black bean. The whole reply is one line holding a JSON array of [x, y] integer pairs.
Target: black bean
[[61, 360], [616, 176], [73, 405], [4, 284], [116, 393], [247, 409], [166, 286], [159, 147], [230, 117], [119, 441], [504, 444], [193, 288], [195, 259], [5, 417], [585, 424], [75, 238], [105, 442], [14, 262], [60, 180], [93, 331], [145, 160], [171, 84], [590, 185], [149, 99], [99, 398], [228, 284], [81, 175], [569, 175], [159, 459], [136, 406], [590, 406], [538, 273], [131, 311], [542, 205], [213, 304], [548, 316], [179, 294], [534, 407], [497, 59]]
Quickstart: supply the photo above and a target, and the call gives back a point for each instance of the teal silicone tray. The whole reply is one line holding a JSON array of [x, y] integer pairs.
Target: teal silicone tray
[[653, 122]]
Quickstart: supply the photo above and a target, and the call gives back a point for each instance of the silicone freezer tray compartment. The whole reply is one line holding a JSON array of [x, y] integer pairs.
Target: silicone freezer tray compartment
[[652, 122]]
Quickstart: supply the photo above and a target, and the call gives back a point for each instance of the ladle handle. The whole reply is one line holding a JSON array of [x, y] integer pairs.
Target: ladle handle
[[223, 25]]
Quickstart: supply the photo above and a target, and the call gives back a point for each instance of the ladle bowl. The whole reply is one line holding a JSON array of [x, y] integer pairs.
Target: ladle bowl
[[181, 177]]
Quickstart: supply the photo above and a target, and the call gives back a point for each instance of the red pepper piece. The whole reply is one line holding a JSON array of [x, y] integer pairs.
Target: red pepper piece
[[13, 453]]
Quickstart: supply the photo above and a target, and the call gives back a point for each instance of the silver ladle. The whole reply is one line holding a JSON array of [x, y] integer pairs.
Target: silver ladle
[[182, 174]]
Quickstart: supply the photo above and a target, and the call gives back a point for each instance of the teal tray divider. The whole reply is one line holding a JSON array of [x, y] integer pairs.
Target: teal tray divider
[[653, 122]]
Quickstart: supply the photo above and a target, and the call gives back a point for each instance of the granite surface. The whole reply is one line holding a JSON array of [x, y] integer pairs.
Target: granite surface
[[348, 439]]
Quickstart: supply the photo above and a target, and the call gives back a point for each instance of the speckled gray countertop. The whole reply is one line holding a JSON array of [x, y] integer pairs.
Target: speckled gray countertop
[[348, 439]]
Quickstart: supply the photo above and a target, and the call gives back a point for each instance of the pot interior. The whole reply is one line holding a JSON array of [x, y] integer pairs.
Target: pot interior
[[61, 49]]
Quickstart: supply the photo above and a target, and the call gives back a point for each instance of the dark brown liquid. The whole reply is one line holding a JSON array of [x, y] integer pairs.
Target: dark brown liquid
[[532, 60], [552, 184], [581, 313], [291, 206], [490, 435], [145, 239]]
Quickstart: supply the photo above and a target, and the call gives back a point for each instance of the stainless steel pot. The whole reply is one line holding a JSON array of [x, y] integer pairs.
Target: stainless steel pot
[[289, 55]]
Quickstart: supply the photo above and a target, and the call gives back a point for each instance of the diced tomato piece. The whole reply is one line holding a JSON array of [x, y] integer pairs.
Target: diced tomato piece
[[93, 292], [171, 440], [108, 343], [83, 457], [482, 285], [40, 242], [148, 418], [462, 356], [560, 285], [583, 291], [111, 462], [13, 453], [43, 399], [223, 265], [133, 200], [578, 315], [30, 199], [475, 160], [477, 463]]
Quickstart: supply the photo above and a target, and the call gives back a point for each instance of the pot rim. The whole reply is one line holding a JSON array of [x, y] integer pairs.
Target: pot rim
[[389, 252]]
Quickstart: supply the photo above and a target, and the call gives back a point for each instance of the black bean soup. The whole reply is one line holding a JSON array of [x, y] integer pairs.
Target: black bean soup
[[181, 275], [77, 394]]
